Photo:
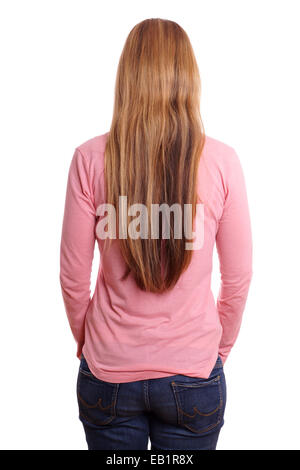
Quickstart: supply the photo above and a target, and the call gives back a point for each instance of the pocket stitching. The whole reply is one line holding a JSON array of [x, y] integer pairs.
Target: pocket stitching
[[96, 422], [180, 411], [85, 372], [199, 384], [112, 406]]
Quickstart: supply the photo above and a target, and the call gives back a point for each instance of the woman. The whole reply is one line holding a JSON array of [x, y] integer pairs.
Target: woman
[[152, 341]]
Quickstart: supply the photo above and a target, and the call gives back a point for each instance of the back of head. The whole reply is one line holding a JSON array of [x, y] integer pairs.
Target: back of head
[[154, 146]]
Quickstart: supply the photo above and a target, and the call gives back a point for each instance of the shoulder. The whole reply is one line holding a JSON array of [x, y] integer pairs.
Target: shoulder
[[91, 152], [219, 152], [219, 165], [93, 146], [222, 157]]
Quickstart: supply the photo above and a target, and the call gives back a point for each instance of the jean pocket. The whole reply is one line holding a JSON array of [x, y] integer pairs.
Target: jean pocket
[[96, 398], [200, 403]]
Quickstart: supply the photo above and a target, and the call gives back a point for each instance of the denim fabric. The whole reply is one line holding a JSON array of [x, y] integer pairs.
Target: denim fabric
[[177, 412]]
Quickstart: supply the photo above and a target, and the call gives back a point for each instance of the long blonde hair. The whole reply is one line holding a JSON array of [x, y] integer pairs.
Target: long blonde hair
[[155, 142]]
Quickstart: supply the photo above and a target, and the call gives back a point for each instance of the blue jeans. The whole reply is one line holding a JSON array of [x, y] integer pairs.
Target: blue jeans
[[177, 412]]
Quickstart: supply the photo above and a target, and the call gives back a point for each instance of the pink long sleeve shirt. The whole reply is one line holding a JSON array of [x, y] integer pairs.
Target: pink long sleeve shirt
[[127, 334]]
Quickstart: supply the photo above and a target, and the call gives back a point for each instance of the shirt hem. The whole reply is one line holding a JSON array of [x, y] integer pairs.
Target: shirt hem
[[202, 372]]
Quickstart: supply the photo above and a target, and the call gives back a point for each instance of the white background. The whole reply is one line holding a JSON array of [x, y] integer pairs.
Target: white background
[[58, 65]]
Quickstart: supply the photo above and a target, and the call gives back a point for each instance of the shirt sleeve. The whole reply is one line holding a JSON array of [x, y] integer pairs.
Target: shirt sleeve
[[234, 247], [77, 246]]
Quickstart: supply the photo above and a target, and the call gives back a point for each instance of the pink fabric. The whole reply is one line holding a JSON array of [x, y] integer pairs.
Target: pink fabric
[[127, 334]]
